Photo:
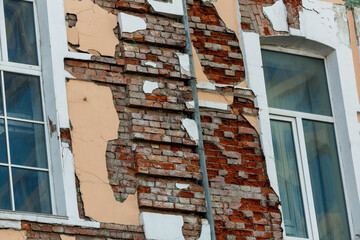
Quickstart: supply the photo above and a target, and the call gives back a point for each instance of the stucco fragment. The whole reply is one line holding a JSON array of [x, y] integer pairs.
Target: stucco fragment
[[253, 120], [10, 234], [205, 230], [130, 23], [95, 122], [191, 128], [182, 185], [162, 226], [171, 8], [94, 27], [151, 64], [66, 237], [184, 63], [149, 87], [277, 15]]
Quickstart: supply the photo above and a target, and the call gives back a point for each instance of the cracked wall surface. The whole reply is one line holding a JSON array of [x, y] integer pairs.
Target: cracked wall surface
[[95, 122]]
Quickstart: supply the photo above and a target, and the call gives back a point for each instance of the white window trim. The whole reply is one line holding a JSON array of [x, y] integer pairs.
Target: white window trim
[[340, 78], [53, 39]]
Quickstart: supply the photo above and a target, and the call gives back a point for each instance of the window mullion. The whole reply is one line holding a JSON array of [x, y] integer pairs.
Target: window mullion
[[309, 199], [7, 142], [4, 52]]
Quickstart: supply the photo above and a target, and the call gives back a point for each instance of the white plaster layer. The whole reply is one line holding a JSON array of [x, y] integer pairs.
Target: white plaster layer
[[205, 230], [182, 185], [277, 15], [162, 226], [184, 61], [173, 8], [207, 104], [149, 87], [130, 23], [205, 85], [151, 64], [10, 224], [191, 128]]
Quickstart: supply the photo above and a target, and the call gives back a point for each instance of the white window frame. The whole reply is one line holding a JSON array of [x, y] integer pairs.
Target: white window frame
[[340, 76], [53, 49]]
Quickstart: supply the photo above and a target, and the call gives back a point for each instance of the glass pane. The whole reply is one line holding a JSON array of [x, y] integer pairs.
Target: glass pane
[[288, 179], [296, 83], [5, 195], [23, 96], [326, 180], [27, 144], [20, 32], [3, 155], [31, 191]]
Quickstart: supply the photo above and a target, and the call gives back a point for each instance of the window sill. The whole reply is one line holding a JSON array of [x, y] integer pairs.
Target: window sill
[[13, 220]]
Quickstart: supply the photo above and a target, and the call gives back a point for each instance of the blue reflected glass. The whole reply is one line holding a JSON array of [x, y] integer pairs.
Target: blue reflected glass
[[288, 179], [3, 154], [27, 144], [20, 32], [296, 83], [31, 191], [23, 96], [326, 181], [5, 194]]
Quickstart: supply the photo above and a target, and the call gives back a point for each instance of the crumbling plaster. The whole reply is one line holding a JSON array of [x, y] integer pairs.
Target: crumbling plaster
[[172, 8], [95, 122], [277, 15], [130, 23], [94, 29], [10, 234]]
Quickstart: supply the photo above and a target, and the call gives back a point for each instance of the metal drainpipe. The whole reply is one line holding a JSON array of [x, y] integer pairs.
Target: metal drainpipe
[[196, 117]]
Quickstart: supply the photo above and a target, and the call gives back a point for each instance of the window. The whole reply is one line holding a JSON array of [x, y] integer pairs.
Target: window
[[305, 148], [24, 157]]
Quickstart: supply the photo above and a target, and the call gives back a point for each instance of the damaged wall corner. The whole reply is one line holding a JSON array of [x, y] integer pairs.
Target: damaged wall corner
[[95, 122], [277, 14], [94, 27], [253, 120]]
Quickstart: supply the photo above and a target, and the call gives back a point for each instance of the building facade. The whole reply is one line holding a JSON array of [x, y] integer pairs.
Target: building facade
[[179, 119]]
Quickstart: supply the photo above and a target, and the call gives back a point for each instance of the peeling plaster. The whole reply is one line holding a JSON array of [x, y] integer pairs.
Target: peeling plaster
[[277, 15], [66, 237], [205, 230], [149, 87], [174, 8], [253, 120], [216, 97], [228, 12], [94, 28], [191, 128], [162, 226], [201, 78], [10, 234], [95, 122], [182, 185], [130, 23], [184, 62]]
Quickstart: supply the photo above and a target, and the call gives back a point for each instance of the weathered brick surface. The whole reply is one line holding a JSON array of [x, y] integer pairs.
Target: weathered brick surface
[[217, 47], [253, 18], [243, 201], [153, 153]]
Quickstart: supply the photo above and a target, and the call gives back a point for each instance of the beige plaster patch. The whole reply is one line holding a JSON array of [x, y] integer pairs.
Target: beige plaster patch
[[11, 234], [95, 122], [73, 36], [66, 237], [94, 27], [215, 97], [253, 120], [199, 73], [243, 84], [334, 1], [227, 11]]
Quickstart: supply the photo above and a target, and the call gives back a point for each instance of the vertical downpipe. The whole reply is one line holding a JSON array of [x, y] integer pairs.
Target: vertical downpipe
[[196, 117]]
